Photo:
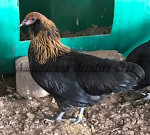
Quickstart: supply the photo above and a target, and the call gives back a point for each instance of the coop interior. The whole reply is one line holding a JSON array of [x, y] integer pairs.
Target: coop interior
[[73, 18], [103, 28]]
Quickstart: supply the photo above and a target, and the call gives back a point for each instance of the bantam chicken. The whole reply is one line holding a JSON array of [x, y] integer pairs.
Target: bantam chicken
[[74, 79], [141, 56]]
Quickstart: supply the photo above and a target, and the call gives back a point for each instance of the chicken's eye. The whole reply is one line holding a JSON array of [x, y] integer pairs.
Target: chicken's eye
[[33, 19]]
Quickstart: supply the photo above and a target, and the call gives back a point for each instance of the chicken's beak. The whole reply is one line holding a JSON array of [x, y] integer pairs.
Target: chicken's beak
[[23, 23]]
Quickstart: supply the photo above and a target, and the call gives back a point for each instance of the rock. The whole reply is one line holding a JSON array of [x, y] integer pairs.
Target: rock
[[10, 89], [30, 115], [53, 100], [1, 126], [1, 105], [129, 132], [17, 112], [92, 129], [25, 85]]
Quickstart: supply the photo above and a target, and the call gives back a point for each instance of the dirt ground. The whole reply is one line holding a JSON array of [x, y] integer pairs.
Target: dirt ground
[[117, 114], [90, 31], [95, 30]]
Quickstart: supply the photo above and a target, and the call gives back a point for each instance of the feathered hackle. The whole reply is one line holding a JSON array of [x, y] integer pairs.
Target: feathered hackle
[[46, 43], [45, 47]]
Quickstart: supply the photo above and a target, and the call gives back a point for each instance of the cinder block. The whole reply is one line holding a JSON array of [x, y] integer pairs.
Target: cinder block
[[25, 85]]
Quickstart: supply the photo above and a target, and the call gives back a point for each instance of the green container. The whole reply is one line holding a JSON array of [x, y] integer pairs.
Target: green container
[[9, 30], [130, 20]]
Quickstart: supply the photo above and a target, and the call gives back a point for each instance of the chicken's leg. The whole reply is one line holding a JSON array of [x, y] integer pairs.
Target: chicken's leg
[[53, 119], [146, 97], [79, 116], [76, 120]]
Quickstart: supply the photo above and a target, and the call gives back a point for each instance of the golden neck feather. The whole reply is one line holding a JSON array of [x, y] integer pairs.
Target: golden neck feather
[[47, 47]]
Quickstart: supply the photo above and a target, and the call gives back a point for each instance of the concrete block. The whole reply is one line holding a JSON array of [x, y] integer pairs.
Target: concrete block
[[25, 85]]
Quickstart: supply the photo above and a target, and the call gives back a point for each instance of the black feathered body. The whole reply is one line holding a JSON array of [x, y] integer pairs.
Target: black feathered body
[[79, 80], [72, 78], [141, 56]]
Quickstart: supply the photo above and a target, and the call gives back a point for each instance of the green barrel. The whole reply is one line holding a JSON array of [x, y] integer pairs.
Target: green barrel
[[130, 21], [9, 34]]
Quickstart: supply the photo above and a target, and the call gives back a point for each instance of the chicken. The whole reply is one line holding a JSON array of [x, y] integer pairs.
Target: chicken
[[141, 56], [74, 79]]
